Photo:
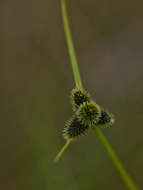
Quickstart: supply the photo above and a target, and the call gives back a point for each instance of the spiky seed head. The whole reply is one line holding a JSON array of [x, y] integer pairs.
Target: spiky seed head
[[89, 113], [78, 97], [74, 128], [106, 119]]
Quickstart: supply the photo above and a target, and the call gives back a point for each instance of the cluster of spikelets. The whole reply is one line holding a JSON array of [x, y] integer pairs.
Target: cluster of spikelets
[[86, 114]]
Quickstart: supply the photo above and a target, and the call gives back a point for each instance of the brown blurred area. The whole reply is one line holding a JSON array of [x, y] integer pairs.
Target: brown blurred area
[[35, 83]]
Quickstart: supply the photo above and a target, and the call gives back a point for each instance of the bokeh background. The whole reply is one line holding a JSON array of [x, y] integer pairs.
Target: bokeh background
[[35, 83]]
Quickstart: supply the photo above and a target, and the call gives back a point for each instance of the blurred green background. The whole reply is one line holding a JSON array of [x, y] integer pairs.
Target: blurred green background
[[36, 80]]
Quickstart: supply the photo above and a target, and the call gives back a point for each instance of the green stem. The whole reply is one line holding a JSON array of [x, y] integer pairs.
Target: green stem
[[127, 179], [125, 176], [71, 46]]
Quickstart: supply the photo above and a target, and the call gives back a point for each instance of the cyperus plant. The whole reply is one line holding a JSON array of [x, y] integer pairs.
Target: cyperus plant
[[86, 112]]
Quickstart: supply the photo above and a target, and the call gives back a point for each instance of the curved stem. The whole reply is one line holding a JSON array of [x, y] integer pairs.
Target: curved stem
[[127, 179]]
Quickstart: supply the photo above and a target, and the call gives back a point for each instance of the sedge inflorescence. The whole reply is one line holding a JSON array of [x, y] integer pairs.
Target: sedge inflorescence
[[87, 113]]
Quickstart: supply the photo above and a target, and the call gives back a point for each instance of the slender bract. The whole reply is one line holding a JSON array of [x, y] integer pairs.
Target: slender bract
[[62, 150], [125, 176]]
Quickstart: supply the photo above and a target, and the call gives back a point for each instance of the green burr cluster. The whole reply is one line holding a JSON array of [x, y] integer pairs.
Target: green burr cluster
[[87, 113]]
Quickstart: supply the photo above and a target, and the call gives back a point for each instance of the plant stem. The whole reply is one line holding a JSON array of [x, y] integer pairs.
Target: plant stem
[[70, 46], [127, 179], [125, 176]]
